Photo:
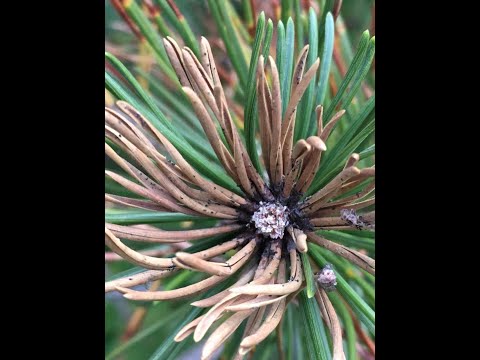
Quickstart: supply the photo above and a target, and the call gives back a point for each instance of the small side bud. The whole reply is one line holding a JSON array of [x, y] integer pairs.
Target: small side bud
[[350, 216], [326, 278]]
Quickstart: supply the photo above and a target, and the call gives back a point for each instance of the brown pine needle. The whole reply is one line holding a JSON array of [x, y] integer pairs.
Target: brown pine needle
[[174, 186], [187, 329], [133, 256], [319, 113], [272, 318], [168, 236], [223, 332], [331, 318], [314, 203], [212, 268], [135, 136], [259, 301], [215, 190], [274, 289], [300, 240], [208, 125], [311, 163], [352, 206], [330, 125], [241, 169], [200, 76], [230, 129], [236, 262], [220, 248], [364, 174], [245, 278], [175, 56], [163, 169], [208, 61], [276, 162], [296, 96], [155, 195], [135, 203], [212, 315], [367, 190], [287, 147], [277, 309], [291, 178], [352, 161], [138, 279], [328, 221], [298, 70], [253, 323], [301, 149], [361, 260], [361, 334], [264, 121], [264, 274], [111, 256]]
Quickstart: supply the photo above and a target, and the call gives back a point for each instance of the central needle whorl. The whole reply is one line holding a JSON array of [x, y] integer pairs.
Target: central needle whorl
[[271, 219]]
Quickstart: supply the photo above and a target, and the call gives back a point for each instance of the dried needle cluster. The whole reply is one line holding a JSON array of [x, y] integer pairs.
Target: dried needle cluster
[[271, 222]]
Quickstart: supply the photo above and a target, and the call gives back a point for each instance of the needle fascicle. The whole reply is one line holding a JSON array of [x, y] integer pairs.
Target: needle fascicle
[[272, 317], [215, 190]]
